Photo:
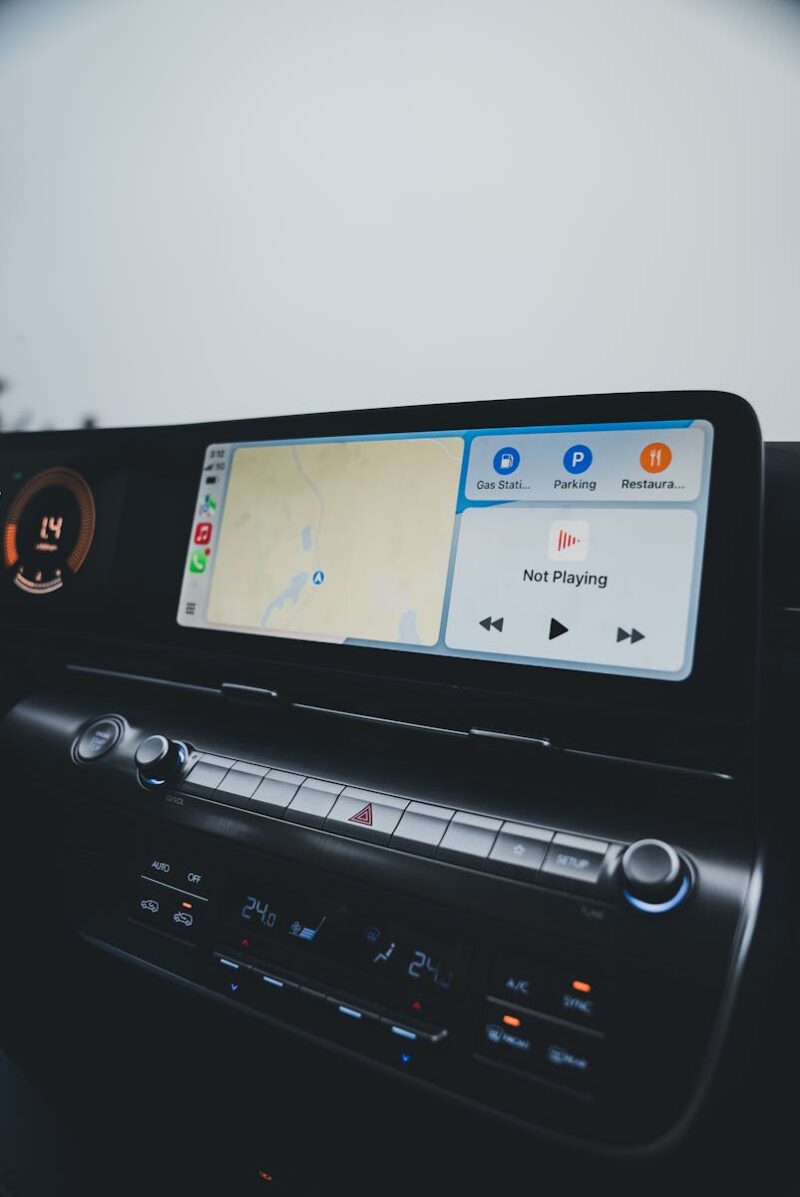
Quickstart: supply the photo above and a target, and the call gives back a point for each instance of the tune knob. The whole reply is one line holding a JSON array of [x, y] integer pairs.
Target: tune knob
[[655, 877], [160, 760]]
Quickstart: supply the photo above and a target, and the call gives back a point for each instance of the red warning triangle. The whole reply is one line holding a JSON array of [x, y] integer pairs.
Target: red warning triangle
[[363, 816]]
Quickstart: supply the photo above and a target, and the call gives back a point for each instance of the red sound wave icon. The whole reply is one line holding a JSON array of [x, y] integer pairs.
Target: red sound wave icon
[[566, 540]]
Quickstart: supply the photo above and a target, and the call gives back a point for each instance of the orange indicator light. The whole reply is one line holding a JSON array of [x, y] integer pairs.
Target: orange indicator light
[[511, 1021], [582, 986], [186, 905]]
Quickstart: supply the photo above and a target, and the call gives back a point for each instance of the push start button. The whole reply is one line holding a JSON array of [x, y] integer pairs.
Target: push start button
[[97, 739]]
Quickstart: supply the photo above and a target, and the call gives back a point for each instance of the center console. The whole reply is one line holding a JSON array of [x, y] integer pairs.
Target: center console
[[426, 735]]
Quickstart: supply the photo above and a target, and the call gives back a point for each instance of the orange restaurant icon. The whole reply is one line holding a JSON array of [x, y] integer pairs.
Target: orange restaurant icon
[[655, 457]]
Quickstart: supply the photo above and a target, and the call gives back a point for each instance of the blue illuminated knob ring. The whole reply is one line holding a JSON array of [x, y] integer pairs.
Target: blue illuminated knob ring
[[159, 760], [655, 878]]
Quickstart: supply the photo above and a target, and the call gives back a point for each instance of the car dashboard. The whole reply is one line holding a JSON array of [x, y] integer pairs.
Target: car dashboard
[[397, 799]]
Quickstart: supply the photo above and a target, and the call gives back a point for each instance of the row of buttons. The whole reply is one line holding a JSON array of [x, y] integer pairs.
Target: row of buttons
[[542, 1047], [167, 909], [511, 849], [525, 1017], [551, 989], [244, 980]]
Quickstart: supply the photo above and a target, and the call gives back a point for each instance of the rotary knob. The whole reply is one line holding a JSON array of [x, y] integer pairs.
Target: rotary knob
[[655, 877], [160, 760]]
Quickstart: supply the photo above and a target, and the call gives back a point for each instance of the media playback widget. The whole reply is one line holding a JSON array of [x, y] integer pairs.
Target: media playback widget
[[611, 585]]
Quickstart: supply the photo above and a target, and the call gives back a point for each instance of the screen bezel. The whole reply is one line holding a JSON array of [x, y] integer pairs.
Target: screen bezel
[[166, 464]]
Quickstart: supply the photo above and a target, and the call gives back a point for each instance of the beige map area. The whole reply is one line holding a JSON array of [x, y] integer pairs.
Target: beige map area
[[375, 517]]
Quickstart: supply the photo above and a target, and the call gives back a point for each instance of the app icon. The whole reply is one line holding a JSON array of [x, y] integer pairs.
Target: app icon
[[198, 562], [655, 457], [506, 460], [202, 534], [577, 459], [568, 540], [209, 504]]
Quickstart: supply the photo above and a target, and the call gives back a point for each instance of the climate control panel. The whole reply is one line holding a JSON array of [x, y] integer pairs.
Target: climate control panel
[[432, 927]]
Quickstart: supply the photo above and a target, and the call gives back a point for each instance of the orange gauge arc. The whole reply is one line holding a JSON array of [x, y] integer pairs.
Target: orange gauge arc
[[78, 487]]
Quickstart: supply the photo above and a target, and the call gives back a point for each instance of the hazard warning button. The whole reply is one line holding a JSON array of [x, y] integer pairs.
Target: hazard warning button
[[365, 815]]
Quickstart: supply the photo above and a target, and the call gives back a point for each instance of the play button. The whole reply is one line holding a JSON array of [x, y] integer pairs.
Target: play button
[[556, 629]]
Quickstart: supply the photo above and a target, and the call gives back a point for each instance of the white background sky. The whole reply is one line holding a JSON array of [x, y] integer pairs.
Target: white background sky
[[213, 209]]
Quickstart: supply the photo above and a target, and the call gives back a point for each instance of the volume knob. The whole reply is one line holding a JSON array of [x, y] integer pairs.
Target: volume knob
[[159, 760], [655, 877]]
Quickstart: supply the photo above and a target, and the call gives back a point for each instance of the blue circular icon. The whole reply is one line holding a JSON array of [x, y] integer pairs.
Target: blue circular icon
[[506, 460], [318, 577], [577, 459]]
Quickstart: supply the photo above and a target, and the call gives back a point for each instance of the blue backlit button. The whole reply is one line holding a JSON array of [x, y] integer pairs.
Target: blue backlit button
[[365, 816], [349, 1012], [313, 801], [271, 990], [230, 968], [572, 860], [231, 974], [469, 839], [577, 459], [407, 1034], [506, 460], [518, 851], [275, 792]]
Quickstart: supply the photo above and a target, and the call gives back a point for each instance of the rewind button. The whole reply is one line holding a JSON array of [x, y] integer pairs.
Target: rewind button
[[488, 623]]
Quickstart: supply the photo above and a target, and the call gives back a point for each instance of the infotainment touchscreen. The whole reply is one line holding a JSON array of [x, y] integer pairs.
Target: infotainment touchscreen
[[573, 547]]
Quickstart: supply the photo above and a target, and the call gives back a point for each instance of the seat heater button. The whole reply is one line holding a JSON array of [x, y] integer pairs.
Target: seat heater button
[[365, 816]]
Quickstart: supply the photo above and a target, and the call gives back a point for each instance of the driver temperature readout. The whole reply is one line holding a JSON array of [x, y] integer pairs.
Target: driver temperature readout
[[268, 915]]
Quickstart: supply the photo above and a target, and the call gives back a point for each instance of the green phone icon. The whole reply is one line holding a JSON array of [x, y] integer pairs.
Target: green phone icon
[[198, 562]]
